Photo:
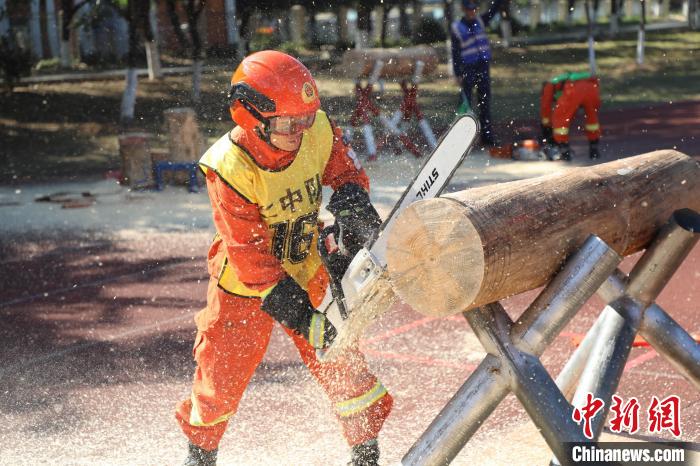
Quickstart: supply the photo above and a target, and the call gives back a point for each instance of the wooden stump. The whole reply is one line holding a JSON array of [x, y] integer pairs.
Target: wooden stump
[[137, 168], [185, 142], [474, 247]]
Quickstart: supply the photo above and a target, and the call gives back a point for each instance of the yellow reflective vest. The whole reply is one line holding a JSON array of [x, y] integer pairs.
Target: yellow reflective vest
[[288, 199]]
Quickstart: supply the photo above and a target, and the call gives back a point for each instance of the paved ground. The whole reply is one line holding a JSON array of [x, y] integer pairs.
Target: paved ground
[[96, 309]]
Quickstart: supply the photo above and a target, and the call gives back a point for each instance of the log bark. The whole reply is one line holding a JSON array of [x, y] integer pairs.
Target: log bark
[[474, 247]]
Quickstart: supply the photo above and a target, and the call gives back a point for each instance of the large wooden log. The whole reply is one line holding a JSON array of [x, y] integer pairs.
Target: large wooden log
[[398, 63], [474, 247]]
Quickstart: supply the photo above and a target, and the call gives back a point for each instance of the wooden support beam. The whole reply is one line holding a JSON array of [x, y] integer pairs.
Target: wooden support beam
[[474, 247], [398, 63]]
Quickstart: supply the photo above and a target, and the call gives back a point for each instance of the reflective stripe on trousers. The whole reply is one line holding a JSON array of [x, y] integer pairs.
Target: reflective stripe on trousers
[[196, 419], [362, 402]]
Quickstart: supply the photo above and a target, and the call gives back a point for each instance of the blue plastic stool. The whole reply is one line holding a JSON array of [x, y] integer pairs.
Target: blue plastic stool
[[190, 167]]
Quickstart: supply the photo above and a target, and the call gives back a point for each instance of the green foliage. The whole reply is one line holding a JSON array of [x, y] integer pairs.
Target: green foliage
[[14, 63], [49, 64], [291, 48], [121, 4], [429, 30], [264, 41]]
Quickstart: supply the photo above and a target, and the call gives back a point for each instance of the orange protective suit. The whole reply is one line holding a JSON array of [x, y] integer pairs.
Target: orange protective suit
[[233, 332], [568, 95]]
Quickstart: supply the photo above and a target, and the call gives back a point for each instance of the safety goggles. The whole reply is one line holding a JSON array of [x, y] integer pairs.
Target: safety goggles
[[287, 125]]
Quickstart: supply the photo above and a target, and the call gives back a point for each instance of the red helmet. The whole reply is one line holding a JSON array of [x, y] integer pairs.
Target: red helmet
[[268, 84]]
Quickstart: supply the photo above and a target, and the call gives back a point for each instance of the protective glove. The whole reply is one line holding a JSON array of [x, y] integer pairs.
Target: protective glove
[[289, 305], [355, 217]]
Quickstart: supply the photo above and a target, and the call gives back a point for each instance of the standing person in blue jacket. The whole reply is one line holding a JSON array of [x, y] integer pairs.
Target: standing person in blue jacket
[[471, 55]]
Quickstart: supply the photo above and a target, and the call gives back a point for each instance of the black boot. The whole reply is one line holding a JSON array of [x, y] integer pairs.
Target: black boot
[[560, 151], [198, 456], [547, 134], [565, 152], [365, 454], [593, 150]]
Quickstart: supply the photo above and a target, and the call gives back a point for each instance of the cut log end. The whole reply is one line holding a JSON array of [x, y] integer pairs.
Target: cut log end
[[474, 247], [428, 255]]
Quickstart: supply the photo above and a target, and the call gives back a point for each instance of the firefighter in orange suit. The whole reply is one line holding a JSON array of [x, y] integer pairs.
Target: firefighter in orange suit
[[264, 181], [568, 92]]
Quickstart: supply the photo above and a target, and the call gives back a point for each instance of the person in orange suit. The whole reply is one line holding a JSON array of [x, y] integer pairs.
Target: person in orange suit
[[264, 180], [561, 97]]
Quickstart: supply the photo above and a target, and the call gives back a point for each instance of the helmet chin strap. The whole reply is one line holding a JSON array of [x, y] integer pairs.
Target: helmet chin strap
[[264, 135]]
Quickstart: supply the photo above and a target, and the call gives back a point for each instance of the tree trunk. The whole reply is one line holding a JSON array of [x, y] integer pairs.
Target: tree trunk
[[570, 5], [4, 20], [506, 26], [591, 39], [562, 10], [364, 25], [194, 9], [693, 15], [233, 38], [155, 70], [175, 23], [615, 7], [297, 24], [416, 19], [641, 33], [404, 21], [596, 10], [342, 21], [474, 247], [129, 97], [246, 12], [65, 16], [666, 8], [384, 11], [52, 29], [449, 18], [66, 54], [35, 29], [313, 39]]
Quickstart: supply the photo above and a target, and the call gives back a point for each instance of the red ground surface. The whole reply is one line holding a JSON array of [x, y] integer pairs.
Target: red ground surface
[[628, 132], [97, 331]]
